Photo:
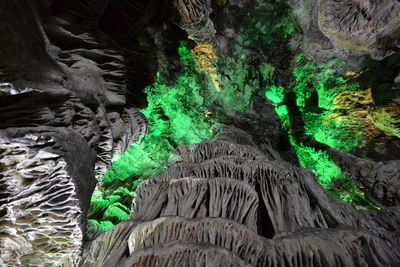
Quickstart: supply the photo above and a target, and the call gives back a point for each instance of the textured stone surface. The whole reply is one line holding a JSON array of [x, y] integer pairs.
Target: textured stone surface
[[197, 198], [184, 254], [66, 111], [321, 247], [44, 187], [284, 217], [195, 19], [366, 26], [73, 80], [380, 179], [108, 250], [64, 116], [349, 28]]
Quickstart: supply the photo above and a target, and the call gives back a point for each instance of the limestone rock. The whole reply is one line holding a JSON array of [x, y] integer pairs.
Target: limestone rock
[[349, 29], [45, 181], [261, 212], [367, 26], [63, 117], [379, 179], [195, 19], [66, 112]]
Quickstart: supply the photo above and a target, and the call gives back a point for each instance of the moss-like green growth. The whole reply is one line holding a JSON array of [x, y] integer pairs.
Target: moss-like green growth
[[116, 212], [328, 174], [185, 111], [177, 115], [275, 94]]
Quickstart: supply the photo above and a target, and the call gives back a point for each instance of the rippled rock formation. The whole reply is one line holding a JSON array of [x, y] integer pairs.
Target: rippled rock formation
[[380, 179], [349, 28], [63, 116], [72, 75], [371, 27], [194, 17], [226, 204], [44, 187]]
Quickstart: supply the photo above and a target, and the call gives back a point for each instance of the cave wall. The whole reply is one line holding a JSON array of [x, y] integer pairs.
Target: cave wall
[[64, 116], [72, 79], [228, 204]]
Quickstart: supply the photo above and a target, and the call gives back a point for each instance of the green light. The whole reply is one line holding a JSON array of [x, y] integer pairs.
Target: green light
[[175, 117], [283, 115], [116, 212], [101, 226], [325, 83], [176, 113], [275, 94], [309, 78]]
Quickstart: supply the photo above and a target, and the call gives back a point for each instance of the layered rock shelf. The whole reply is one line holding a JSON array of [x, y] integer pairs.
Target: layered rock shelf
[[225, 206]]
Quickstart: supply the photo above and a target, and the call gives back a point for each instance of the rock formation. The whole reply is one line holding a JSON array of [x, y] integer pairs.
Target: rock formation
[[225, 204], [72, 81], [349, 28], [63, 118], [44, 187], [194, 16]]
